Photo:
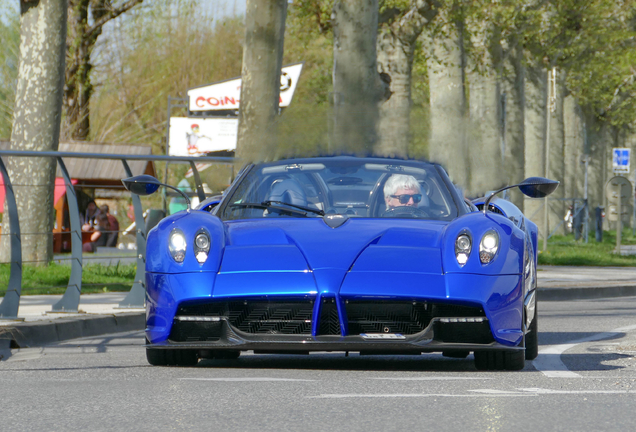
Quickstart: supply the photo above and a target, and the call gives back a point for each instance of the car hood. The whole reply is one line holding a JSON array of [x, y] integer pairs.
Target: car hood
[[309, 244]]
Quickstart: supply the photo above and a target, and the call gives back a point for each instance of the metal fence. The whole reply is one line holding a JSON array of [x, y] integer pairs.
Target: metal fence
[[70, 300]]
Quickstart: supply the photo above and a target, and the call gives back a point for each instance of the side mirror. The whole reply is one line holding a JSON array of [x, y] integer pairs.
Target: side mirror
[[538, 187], [142, 184], [147, 185], [534, 187]]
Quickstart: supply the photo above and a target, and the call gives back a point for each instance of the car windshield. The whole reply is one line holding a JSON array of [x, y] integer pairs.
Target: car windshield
[[361, 188]]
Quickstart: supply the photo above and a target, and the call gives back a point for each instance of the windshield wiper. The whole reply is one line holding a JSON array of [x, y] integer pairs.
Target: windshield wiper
[[308, 209], [297, 209]]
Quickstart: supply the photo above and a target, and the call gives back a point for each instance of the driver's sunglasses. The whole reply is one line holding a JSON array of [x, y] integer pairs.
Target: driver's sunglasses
[[404, 199]]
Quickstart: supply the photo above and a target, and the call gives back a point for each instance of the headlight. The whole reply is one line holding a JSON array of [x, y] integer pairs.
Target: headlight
[[177, 246], [463, 246], [201, 246], [489, 246]]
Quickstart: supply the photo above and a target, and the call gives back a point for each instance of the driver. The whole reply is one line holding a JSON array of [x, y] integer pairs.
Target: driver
[[402, 190]]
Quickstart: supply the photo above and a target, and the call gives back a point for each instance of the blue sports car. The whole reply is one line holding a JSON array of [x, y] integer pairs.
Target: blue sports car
[[372, 255]]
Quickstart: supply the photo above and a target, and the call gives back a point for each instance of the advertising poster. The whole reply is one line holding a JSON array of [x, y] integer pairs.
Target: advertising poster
[[226, 95], [196, 137]]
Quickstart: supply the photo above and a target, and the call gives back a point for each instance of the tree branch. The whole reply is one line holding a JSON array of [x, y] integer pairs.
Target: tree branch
[[113, 13]]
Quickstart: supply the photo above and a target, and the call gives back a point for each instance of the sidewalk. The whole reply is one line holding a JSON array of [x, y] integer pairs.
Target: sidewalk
[[574, 283], [98, 313]]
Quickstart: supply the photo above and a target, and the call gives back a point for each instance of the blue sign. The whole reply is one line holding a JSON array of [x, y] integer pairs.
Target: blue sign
[[620, 160]]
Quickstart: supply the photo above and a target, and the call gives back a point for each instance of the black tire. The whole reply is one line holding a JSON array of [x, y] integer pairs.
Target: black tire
[[532, 338], [499, 360], [459, 354], [156, 357], [169, 357], [227, 354]]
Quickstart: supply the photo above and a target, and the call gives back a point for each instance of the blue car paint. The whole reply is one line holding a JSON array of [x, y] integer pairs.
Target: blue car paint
[[288, 257]]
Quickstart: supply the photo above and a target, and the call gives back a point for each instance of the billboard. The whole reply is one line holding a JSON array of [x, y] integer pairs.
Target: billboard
[[226, 95], [195, 137]]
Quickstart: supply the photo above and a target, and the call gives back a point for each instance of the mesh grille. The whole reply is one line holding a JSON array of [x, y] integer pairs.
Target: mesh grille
[[258, 317], [329, 321], [405, 317], [478, 333]]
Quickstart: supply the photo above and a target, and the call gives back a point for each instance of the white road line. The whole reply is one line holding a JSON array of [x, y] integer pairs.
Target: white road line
[[255, 379], [575, 392], [549, 360], [432, 378], [417, 395]]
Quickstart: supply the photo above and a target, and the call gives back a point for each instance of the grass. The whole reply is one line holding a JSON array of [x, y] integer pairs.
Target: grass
[[96, 278], [563, 250]]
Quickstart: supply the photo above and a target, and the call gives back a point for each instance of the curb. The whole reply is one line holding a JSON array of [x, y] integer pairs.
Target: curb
[[37, 334], [563, 294]]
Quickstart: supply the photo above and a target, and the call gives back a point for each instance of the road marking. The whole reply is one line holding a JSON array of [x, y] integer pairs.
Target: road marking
[[549, 360], [255, 379], [442, 378], [419, 395], [566, 392]]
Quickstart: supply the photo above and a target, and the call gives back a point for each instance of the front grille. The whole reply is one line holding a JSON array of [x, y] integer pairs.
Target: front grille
[[477, 333], [188, 331], [405, 317], [258, 317], [329, 321]]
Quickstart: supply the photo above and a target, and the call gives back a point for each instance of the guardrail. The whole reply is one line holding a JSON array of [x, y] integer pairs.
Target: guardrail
[[70, 300]]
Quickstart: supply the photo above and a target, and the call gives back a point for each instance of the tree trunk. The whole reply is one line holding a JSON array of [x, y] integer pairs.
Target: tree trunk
[[597, 139], [357, 87], [557, 146], [80, 43], [448, 116], [78, 88], [396, 49], [535, 133], [36, 123], [485, 151], [574, 175], [260, 88], [514, 133], [395, 59]]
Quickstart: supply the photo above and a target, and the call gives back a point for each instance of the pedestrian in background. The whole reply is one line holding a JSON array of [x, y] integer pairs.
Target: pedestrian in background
[[113, 235]]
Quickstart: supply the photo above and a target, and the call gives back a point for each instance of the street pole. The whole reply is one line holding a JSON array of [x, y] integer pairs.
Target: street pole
[[586, 161], [619, 222]]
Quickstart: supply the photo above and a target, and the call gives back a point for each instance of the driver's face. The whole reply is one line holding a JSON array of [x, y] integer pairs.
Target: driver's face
[[395, 202]]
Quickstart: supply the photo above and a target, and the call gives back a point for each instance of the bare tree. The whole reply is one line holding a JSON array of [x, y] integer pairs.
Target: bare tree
[[357, 86], [36, 122], [398, 34], [81, 40], [260, 87]]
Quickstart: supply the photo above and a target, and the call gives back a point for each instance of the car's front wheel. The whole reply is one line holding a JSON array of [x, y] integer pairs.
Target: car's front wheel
[[499, 360]]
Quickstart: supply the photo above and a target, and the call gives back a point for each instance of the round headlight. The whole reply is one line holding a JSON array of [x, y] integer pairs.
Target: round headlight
[[463, 246], [201, 246], [202, 241], [488, 246], [177, 246]]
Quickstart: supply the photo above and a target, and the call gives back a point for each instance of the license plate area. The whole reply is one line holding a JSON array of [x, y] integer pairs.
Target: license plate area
[[383, 336]]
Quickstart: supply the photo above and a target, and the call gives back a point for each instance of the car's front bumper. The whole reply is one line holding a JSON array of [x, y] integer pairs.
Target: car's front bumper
[[435, 338]]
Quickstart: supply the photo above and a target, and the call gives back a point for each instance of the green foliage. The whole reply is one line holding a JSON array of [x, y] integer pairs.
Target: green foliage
[[9, 49], [563, 250], [53, 279]]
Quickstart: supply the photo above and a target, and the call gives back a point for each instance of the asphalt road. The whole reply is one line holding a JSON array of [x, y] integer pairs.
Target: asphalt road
[[584, 379]]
